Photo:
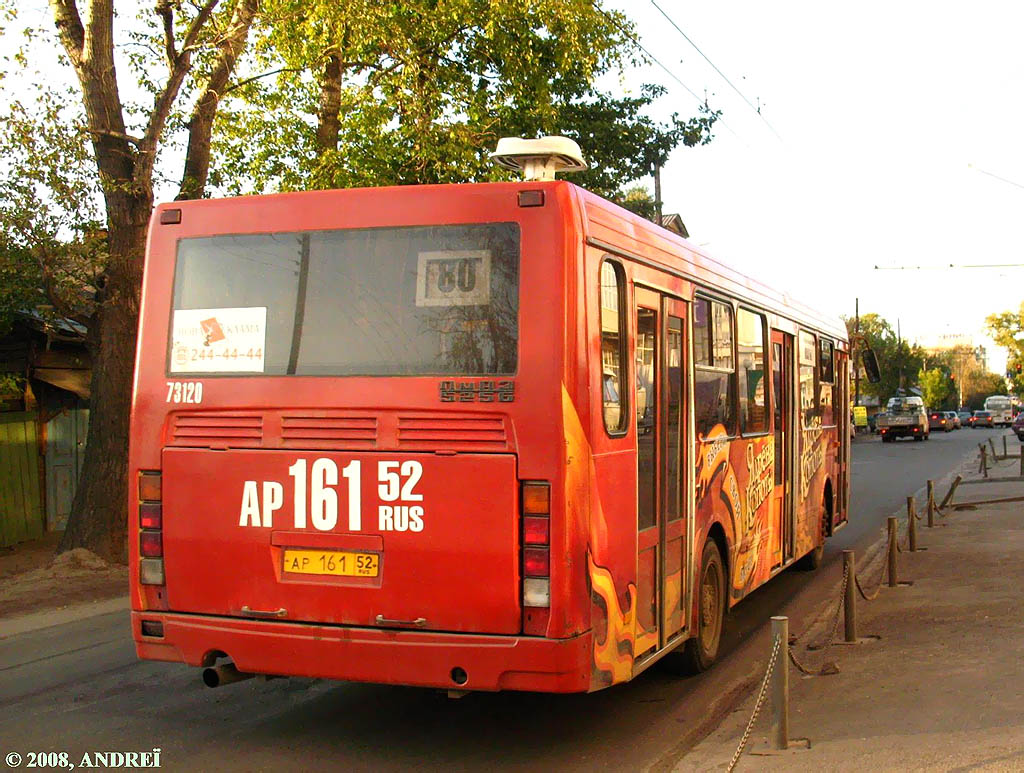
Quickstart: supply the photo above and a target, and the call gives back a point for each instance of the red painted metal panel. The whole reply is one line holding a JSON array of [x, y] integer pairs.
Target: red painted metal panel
[[220, 552], [359, 654]]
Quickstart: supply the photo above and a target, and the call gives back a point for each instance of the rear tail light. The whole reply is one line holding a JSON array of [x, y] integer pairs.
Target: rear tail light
[[150, 486], [151, 571], [536, 531], [536, 557], [536, 592], [151, 515], [536, 499], [536, 562], [151, 543], [151, 522]]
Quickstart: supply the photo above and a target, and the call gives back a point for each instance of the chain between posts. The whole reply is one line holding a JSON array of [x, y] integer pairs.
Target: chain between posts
[[881, 579], [826, 669], [757, 706]]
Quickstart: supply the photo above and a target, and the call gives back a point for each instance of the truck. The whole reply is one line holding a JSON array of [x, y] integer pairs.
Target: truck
[[904, 417]]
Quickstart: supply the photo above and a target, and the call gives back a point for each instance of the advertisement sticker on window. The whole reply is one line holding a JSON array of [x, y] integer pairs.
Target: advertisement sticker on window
[[219, 340]]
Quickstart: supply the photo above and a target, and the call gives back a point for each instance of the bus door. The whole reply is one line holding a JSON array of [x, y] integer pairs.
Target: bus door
[[659, 422], [783, 419]]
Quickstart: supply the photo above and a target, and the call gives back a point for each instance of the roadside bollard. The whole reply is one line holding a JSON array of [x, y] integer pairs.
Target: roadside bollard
[[1022, 460], [995, 456], [952, 489], [983, 468], [850, 602], [931, 504], [780, 685], [1005, 452], [911, 525], [892, 553]]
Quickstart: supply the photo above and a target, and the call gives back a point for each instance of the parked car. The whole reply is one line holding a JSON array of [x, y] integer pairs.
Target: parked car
[[982, 419], [940, 421], [1018, 427], [952, 416], [965, 418]]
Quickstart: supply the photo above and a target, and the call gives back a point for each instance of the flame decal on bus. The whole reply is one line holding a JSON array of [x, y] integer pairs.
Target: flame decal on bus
[[613, 627], [613, 651], [735, 477]]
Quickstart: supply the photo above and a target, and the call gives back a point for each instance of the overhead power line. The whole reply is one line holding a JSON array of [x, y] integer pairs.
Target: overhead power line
[[951, 265], [731, 85], [1001, 179], [636, 41]]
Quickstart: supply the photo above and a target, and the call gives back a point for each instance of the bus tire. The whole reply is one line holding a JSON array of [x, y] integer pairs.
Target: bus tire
[[700, 652], [816, 557]]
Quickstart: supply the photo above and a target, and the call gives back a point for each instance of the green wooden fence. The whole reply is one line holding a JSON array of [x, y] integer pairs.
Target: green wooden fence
[[21, 512]]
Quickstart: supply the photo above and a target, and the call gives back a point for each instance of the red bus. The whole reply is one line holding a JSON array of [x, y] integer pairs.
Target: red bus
[[501, 436]]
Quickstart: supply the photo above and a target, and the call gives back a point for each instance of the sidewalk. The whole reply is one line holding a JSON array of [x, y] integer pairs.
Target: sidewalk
[[943, 689]]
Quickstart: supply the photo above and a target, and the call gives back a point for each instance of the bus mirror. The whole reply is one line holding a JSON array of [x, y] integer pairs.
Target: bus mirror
[[870, 362]]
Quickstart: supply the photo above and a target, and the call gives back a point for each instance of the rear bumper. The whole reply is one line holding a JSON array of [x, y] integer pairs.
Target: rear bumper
[[370, 655]]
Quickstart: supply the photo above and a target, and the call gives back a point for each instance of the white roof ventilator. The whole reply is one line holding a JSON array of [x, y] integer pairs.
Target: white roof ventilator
[[539, 159]]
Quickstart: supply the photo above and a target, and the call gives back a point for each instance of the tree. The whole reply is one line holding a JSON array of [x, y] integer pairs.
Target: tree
[[176, 50], [361, 94], [979, 385], [638, 200], [936, 389], [898, 361], [1007, 330]]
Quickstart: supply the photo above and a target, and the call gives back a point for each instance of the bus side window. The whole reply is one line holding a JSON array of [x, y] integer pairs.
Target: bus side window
[[714, 373], [614, 387], [808, 376], [826, 377], [750, 343]]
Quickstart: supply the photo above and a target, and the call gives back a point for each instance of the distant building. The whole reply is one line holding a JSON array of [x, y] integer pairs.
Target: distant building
[[675, 224], [946, 342]]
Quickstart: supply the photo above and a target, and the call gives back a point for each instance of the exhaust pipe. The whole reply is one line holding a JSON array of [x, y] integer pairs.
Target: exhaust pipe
[[215, 676]]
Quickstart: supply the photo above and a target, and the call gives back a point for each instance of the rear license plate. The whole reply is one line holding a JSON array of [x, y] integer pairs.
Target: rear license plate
[[335, 563]]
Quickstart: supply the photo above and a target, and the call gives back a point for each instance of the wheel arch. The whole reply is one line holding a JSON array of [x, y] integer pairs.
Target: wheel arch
[[717, 534], [829, 503]]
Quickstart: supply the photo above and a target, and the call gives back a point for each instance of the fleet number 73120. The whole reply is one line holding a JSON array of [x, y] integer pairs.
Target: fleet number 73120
[[315, 498]]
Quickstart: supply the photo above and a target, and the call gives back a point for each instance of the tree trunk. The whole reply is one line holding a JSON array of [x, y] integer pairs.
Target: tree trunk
[[200, 128], [99, 511], [329, 126]]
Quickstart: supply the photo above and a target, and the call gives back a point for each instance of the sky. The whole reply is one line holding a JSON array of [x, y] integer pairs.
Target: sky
[[884, 128], [882, 131]]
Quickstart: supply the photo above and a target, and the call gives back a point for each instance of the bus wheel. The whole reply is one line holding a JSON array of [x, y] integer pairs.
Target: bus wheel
[[814, 559], [699, 653]]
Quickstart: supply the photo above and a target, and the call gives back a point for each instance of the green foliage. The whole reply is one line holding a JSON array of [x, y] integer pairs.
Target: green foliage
[[898, 361], [979, 385], [51, 237], [425, 88], [1007, 330], [937, 389], [638, 200]]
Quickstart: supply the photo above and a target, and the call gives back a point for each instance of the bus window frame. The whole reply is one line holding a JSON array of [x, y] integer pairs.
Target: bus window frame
[[832, 352], [624, 383], [729, 303], [815, 368], [765, 351]]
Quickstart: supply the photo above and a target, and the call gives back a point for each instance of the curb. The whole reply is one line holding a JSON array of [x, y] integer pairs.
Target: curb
[[48, 618]]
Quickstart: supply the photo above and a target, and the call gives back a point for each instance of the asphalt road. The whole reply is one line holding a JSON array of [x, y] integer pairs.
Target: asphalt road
[[78, 687]]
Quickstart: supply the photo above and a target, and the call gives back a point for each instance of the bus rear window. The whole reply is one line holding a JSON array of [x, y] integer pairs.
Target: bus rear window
[[432, 300]]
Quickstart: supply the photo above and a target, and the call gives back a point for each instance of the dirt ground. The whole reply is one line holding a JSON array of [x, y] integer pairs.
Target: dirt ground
[[32, 579]]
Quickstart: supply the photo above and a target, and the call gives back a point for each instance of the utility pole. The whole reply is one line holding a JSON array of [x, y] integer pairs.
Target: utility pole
[[657, 192], [856, 343], [899, 350]]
